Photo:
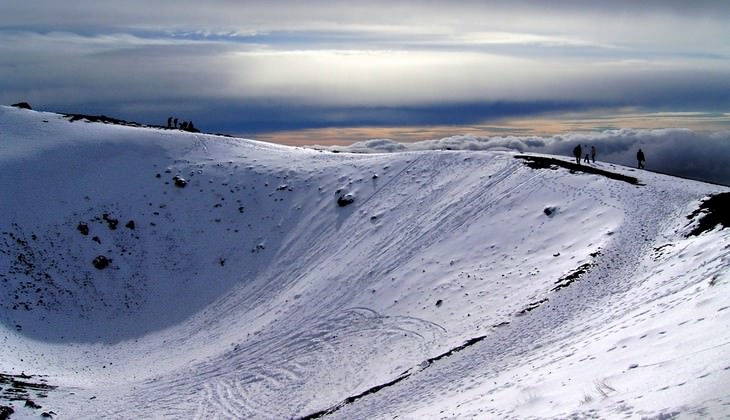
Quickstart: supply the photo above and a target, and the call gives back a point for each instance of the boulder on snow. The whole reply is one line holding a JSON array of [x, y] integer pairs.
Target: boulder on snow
[[550, 211], [101, 262], [180, 182], [344, 199], [83, 228]]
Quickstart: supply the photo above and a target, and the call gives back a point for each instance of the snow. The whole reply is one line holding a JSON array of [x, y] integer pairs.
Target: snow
[[250, 293]]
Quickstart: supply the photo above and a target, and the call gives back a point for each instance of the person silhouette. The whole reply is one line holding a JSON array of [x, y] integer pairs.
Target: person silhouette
[[640, 157], [577, 152]]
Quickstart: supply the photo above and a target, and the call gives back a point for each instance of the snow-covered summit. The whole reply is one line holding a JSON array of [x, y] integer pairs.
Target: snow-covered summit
[[159, 273]]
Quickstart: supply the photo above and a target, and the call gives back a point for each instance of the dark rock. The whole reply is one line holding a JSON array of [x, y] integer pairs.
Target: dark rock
[[130, 225], [101, 262], [112, 223], [5, 412], [180, 182], [31, 404], [715, 211], [532, 306], [83, 228], [439, 303], [345, 199], [22, 105], [542, 162], [573, 276]]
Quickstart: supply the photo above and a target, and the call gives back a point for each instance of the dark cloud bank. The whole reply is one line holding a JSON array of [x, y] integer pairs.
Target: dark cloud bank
[[680, 152]]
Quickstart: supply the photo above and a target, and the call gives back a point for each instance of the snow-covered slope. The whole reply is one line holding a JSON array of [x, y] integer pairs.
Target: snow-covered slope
[[456, 284]]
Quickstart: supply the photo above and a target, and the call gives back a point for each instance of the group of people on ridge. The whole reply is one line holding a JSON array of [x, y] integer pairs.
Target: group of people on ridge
[[185, 125], [578, 153]]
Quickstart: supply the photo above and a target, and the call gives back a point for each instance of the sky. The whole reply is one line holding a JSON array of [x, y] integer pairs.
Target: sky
[[338, 72]]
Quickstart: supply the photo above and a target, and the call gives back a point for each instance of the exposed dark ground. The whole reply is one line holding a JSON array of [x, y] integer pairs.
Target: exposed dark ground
[[542, 162]]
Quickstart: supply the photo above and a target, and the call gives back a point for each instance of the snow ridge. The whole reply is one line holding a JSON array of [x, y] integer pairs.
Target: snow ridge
[[157, 273]]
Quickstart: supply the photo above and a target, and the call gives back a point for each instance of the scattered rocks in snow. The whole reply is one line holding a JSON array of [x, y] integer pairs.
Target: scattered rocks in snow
[[439, 303], [101, 262], [715, 210], [405, 375], [532, 306], [112, 223], [573, 276], [103, 119], [550, 211], [22, 388]]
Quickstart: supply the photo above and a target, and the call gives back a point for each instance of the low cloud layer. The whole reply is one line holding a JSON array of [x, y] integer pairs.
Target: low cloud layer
[[680, 152]]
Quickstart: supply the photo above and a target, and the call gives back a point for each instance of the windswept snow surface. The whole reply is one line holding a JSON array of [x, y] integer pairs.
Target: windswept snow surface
[[250, 293]]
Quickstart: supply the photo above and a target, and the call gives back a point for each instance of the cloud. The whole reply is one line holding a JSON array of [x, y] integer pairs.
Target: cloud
[[369, 62], [680, 152], [119, 67]]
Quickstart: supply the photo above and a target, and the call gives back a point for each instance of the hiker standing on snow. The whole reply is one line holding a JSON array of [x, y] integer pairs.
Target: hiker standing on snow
[[577, 152], [593, 153], [640, 158]]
